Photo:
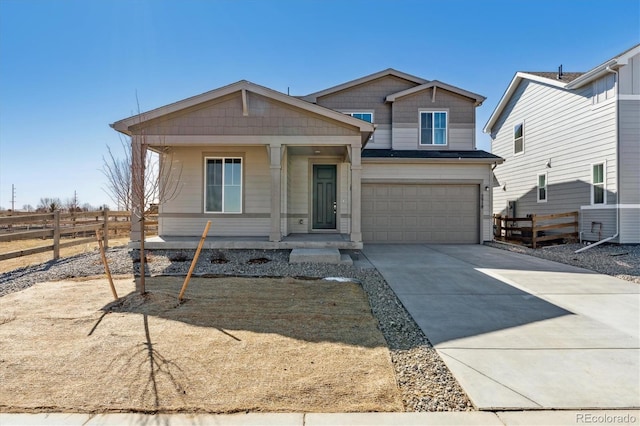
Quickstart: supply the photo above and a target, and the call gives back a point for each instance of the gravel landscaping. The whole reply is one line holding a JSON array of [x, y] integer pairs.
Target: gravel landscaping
[[621, 261], [425, 382]]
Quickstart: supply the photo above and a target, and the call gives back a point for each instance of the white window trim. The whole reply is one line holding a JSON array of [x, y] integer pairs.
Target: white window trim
[[546, 187], [513, 138], [204, 201], [604, 184], [446, 134]]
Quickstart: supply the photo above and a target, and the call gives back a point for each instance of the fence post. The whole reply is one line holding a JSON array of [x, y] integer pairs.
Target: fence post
[[534, 231], [105, 232], [56, 235], [498, 222]]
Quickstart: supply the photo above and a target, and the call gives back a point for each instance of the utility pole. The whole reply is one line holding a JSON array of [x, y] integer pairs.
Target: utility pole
[[13, 198]]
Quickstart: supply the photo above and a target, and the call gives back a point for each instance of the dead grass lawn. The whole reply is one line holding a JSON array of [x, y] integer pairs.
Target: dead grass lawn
[[235, 344], [34, 259]]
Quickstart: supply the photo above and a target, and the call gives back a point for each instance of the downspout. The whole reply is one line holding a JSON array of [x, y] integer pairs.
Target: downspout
[[617, 137]]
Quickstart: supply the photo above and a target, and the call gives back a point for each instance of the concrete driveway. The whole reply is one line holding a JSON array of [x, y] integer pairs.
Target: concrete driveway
[[520, 332]]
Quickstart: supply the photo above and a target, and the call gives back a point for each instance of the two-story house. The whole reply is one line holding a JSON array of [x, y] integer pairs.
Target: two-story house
[[571, 142], [389, 157]]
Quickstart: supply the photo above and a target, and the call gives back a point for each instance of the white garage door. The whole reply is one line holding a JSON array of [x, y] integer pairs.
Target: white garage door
[[408, 213]]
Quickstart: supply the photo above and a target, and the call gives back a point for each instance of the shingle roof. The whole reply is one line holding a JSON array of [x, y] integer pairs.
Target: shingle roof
[[566, 76], [420, 153]]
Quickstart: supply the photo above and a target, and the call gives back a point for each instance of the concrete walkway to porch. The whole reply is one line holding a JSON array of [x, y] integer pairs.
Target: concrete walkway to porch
[[520, 332]]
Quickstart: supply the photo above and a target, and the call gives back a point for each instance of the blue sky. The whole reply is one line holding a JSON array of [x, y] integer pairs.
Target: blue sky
[[69, 68]]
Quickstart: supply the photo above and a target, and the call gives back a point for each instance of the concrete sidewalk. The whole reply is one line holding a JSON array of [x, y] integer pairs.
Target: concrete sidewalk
[[519, 332], [532, 418]]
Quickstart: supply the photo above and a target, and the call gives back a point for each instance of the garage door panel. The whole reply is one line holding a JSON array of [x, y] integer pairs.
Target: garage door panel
[[410, 213]]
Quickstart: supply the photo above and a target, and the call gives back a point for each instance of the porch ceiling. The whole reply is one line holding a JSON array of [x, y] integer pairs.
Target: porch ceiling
[[317, 150]]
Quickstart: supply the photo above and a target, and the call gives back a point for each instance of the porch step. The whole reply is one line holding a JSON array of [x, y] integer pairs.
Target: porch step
[[319, 255]]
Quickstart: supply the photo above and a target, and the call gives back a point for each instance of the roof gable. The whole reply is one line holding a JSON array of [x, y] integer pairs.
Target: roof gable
[[389, 71], [437, 84], [569, 82], [125, 126]]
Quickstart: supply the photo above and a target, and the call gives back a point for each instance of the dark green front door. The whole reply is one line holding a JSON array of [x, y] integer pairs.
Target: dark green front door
[[324, 196]]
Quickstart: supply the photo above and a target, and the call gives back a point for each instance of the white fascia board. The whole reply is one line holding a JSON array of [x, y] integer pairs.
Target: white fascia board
[[511, 89], [601, 69]]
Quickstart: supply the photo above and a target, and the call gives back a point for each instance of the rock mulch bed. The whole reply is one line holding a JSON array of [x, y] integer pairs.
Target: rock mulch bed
[[621, 261], [424, 380]]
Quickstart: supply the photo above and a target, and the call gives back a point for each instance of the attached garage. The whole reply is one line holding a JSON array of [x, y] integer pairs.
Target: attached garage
[[420, 213]]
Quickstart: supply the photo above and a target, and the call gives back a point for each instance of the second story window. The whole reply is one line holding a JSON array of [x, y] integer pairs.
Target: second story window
[[433, 128], [518, 138], [366, 116]]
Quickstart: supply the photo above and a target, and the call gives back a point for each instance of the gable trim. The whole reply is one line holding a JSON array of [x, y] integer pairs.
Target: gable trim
[[312, 97], [504, 100], [123, 126], [435, 83]]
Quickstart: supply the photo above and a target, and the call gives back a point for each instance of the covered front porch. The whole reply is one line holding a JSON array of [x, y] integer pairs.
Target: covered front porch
[[291, 241]]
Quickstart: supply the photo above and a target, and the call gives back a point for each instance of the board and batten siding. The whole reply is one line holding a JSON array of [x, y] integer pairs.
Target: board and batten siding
[[460, 115], [629, 134], [184, 214], [564, 135], [430, 173]]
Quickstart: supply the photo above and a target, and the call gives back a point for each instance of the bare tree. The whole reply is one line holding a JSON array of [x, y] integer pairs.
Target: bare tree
[[49, 204], [27, 208], [147, 175]]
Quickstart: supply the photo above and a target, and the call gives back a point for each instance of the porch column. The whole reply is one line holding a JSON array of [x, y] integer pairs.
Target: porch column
[[276, 192], [356, 177], [137, 185]]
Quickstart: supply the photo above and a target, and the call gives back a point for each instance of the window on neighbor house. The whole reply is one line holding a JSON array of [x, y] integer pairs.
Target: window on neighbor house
[[433, 128], [597, 184], [542, 188], [604, 88], [223, 185], [518, 138]]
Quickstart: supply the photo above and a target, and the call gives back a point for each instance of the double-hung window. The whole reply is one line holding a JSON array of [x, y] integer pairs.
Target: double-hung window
[[518, 138], [542, 188], [223, 185], [597, 184], [433, 128]]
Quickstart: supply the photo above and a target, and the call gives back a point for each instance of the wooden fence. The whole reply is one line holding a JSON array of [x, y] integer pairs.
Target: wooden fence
[[74, 228], [535, 228]]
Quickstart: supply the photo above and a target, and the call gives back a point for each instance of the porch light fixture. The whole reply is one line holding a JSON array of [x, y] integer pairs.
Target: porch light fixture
[[486, 187]]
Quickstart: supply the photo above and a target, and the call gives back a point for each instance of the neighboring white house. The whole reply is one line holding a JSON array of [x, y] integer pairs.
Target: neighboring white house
[[571, 142]]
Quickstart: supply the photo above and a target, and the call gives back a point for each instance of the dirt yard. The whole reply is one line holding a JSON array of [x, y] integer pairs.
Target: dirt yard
[[234, 344]]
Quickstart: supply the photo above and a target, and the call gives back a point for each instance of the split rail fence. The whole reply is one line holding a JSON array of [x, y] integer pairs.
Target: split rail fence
[[65, 229], [535, 229]]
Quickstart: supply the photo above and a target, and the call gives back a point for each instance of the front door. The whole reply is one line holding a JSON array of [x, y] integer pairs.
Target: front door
[[324, 196]]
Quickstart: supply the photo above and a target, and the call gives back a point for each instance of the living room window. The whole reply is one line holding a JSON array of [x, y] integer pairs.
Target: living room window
[[223, 185], [518, 138], [542, 188], [433, 127], [597, 184]]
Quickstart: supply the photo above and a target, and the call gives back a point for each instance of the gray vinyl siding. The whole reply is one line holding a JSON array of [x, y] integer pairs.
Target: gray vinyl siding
[[184, 215], [590, 220], [224, 116], [564, 129], [429, 173], [630, 151], [630, 225], [460, 115]]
